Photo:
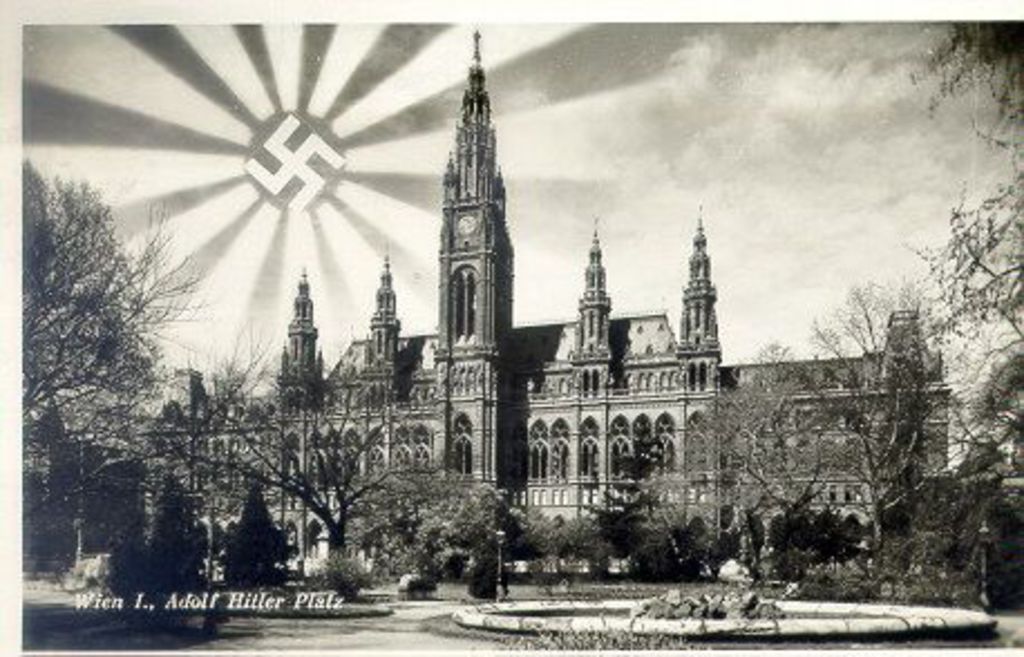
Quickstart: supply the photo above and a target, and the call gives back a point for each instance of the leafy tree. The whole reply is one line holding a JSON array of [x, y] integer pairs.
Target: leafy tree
[[980, 271], [257, 551], [791, 538], [620, 518], [835, 540]]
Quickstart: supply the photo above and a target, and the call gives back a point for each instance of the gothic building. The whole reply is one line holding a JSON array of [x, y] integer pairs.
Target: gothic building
[[553, 414]]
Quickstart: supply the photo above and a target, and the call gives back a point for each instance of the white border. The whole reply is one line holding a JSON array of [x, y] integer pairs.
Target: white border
[[15, 13]]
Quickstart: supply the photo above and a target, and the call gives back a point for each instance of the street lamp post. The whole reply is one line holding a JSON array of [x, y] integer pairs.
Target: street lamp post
[[985, 537], [500, 535]]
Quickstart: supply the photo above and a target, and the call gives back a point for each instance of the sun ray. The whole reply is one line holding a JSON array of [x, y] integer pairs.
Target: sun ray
[[316, 39], [255, 44], [266, 289], [603, 58], [167, 45], [210, 254], [432, 69], [55, 116], [284, 43], [376, 238], [338, 288], [395, 47], [420, 190], [135, 217]]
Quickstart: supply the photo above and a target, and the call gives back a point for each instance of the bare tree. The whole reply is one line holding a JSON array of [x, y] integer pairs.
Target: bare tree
[[774, 432], [891, 401], [323, 442], [92, 314]]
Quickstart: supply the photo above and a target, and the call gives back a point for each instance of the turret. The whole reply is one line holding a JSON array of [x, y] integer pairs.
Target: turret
[[699, 348]]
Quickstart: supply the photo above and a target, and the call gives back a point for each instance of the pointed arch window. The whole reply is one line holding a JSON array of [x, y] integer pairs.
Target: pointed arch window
[[560, 455], [463, 445], [665, 430], [459, 302], [464, 302], [620, 447], [375, 460], [589, 466], [470, 304], [539, 451]]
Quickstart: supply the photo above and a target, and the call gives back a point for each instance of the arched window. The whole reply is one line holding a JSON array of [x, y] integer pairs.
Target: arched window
[[421, 456], [464, 302], [539, 451], [402, 456], [323, 478], [589, 466], [620, 457], [560, 439], [665, 430], [421, 446], [620, 449], [693, 377], [644, 449], [470, 304], [463, 452], [459, 302], [314, 532], [703, 376], [375, 460]]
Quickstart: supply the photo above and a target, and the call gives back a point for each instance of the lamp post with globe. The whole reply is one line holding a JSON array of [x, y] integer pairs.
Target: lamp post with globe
[[500, 536], [984, 539]]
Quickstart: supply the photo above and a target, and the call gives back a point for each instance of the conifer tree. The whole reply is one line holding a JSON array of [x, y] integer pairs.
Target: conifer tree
[[177, 545], [257, 550]]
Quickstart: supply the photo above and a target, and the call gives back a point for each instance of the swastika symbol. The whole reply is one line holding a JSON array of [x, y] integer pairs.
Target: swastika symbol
[[294, 164]]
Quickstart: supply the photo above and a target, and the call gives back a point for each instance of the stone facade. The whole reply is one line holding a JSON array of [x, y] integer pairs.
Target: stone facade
[[548, 413]]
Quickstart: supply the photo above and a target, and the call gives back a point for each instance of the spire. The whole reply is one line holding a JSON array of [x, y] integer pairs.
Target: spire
[[300, 352], [475, 103], [699, 240], [303, 304], [385, 293], [385, 325], [699, 323], [700, 263], [592, 330]]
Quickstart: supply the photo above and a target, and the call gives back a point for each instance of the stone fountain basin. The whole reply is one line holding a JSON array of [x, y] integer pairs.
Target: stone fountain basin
[[803, 619]]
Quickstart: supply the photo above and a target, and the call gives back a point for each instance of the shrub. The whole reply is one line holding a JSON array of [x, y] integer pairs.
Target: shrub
[[483, 575], [838, 588], [1006, 567], [129, 567], [172, 559], [345, 576]]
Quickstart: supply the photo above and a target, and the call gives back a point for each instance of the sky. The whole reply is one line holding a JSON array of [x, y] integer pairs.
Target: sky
[[809, 151]]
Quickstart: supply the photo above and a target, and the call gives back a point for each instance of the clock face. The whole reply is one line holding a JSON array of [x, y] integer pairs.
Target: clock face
[[467, 224]]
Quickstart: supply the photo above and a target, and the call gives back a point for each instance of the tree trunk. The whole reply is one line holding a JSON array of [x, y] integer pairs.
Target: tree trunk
[[336, 533]]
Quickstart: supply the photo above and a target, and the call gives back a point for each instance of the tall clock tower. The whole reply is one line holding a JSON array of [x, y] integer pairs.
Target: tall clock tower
[[475, 294]]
